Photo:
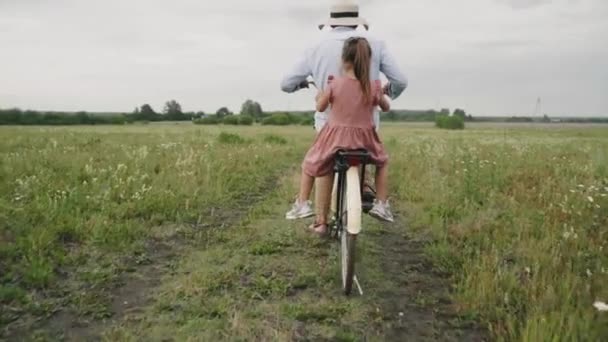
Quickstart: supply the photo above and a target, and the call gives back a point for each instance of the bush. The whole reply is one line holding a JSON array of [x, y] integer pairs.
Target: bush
[[307, 121], [245, 120], [449, 122], [281, 119], [209, 120], [230, 120], [230, 139], [275, 139]]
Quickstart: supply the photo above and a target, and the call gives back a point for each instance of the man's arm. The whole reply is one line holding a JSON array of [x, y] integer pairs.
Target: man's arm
[[388, 66], [296, 77]]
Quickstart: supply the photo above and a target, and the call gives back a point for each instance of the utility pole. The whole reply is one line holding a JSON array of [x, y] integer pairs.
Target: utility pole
[[538, 109]]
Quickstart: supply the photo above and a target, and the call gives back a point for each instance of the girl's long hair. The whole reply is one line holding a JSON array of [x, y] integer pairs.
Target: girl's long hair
[[358, 52]]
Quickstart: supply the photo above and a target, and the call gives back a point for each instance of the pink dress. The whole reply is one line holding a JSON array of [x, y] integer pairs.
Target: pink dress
[[350, 126]]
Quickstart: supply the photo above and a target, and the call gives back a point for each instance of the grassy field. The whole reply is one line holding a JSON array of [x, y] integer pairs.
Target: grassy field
[[176, 232]]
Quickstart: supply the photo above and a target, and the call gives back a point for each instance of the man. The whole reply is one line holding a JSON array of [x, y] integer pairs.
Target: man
[[324, 60]]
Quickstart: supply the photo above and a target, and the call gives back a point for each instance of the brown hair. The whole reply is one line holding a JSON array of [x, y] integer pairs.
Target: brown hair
[[358, 52]]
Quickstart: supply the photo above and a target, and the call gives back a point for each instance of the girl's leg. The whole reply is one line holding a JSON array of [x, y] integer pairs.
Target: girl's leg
[[323, 201], [382, 209], [301, 208], [382, 183], [306, 184], [323, 197]]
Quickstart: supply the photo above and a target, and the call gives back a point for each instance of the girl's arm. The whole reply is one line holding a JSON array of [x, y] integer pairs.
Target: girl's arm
[[384, 104], [323, 99]]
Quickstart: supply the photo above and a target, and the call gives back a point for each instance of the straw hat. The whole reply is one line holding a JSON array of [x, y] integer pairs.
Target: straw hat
[[344, 13]]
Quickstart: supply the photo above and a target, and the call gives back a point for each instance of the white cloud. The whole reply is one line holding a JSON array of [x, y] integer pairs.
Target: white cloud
[[491, 57]]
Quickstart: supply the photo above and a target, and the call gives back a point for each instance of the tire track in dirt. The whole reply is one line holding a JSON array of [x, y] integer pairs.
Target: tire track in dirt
[[414, 302], [129, 292]]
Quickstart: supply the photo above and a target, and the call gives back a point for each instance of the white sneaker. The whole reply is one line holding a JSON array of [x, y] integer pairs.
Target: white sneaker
[[382, 211], [300, 210]]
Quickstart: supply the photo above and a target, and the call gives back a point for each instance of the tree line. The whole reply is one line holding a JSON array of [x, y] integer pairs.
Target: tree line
[[251, 112]]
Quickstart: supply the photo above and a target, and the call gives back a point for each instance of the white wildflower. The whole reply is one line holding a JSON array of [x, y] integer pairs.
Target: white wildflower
[[570, 234], [589, 274], [590, 199], [581, 186], [600, 306]]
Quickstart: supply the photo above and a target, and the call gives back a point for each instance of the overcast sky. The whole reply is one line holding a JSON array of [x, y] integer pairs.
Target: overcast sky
[[492, 57]]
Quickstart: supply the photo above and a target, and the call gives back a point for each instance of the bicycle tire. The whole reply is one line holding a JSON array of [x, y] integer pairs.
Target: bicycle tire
[[347, 251], [351, 222]]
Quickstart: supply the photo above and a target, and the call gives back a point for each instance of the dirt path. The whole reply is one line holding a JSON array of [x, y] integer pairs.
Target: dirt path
[[129, 292], [414, 302], [268, 279]]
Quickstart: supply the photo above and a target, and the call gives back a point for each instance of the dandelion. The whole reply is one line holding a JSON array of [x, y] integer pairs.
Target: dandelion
[[600, 306]]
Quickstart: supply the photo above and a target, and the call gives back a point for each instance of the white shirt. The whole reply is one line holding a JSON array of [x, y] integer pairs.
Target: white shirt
[[326, 59]]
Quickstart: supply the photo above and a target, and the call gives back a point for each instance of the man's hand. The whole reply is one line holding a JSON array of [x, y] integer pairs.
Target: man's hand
[[386, 89], [304, 85]]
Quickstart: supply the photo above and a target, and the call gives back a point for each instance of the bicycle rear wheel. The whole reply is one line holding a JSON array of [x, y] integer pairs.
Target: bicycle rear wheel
[[347, 249], [351, 226]]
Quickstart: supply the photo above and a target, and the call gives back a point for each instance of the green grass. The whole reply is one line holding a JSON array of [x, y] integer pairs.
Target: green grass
[[518, 217]]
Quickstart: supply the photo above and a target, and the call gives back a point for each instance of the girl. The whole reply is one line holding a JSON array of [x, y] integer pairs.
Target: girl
[[350, 126]]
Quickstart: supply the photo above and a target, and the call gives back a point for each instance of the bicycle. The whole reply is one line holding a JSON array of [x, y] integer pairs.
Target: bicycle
[[347, 206], [348, 201]]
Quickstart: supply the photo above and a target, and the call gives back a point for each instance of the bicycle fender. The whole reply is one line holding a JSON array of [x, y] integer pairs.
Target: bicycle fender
[[353, 200]]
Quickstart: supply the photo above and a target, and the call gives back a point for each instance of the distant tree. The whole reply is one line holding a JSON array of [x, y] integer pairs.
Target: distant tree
[[445, 111], [172, 108], [144, 113], [83, 118], [252, 108], [146, 109], [223, 112], [546, 118], [460, 113], [199, 114]]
